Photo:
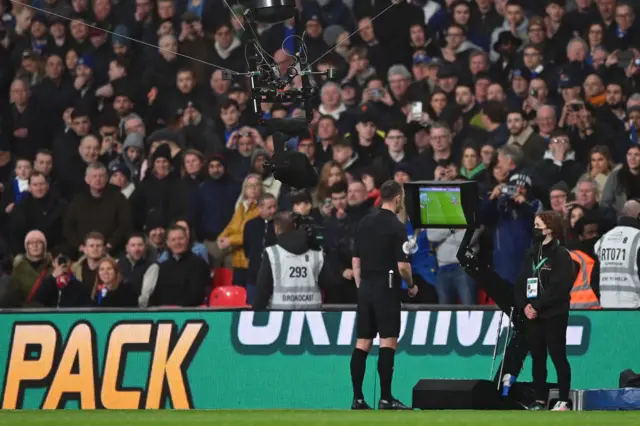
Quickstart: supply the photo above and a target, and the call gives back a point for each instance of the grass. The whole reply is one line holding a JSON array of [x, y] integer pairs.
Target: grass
[[317, 417]]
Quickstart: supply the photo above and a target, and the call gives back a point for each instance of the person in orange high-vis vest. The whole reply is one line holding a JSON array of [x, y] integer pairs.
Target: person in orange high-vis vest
[[582, 295]]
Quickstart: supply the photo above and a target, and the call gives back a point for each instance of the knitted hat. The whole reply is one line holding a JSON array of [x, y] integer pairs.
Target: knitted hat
[[35, 235], [163, 151]]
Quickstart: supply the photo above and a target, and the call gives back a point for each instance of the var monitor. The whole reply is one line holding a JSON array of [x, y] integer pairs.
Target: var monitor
[[450, 205]]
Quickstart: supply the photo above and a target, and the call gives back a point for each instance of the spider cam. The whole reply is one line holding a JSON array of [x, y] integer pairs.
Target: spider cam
[[270, 85]]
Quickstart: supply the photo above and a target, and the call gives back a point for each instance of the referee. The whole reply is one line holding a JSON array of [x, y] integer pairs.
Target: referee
[[379, 265]]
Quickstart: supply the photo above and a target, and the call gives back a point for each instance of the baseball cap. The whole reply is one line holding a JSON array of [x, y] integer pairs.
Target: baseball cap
[[120, 168], [86, 60]]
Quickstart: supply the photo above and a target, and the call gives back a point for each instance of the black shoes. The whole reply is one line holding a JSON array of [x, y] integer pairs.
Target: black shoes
[[360, 404], [393, 404]]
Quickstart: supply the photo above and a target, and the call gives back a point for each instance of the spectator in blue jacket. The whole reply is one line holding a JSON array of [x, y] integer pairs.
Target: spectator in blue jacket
[[213, 206], [509, 211]]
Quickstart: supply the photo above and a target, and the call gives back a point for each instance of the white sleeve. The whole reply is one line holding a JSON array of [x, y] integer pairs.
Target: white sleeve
[[149, 282]]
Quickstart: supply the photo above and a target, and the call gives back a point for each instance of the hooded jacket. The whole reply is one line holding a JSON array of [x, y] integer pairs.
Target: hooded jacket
[[213, 206], [133, 140]]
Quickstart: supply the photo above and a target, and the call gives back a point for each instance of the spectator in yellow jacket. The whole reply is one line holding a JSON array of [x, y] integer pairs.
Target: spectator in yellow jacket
[[232, 236]]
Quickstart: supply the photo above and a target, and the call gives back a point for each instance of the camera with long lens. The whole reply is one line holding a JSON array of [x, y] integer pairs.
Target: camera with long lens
[[313, 231]]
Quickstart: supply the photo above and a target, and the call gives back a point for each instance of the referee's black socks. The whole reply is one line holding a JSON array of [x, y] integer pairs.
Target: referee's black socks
[[385, 371], [358, 366]]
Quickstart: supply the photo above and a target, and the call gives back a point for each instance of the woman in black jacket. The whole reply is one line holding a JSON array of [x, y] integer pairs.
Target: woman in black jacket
[[110, 290], [543, 291]]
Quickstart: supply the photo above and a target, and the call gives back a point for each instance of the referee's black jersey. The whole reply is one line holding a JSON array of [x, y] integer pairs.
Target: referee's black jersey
[[378, 244]]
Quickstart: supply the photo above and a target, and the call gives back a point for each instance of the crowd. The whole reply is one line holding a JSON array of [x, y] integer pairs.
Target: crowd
[[132, 175]]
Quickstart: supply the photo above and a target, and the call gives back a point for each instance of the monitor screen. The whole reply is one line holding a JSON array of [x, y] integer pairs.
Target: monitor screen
[[441, 205]]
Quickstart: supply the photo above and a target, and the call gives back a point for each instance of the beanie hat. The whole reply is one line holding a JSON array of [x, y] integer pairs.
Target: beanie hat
[[163, 151], [217, 157], [37, 236], [560, 186], [258, 153]]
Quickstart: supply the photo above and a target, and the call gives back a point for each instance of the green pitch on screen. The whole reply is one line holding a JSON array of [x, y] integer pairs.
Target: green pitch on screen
[[441, 206]]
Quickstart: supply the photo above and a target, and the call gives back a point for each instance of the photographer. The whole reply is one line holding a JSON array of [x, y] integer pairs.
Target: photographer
[[543, 292], [509, 211], [291, 274], [583, 129], [62, 289]]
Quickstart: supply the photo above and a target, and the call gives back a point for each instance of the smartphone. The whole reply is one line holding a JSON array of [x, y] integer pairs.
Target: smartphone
[[576, 107], [376, 93], [416, 111], [534, 93], [637, 62]]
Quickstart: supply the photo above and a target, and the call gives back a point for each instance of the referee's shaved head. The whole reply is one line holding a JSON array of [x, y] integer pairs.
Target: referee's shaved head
[[390, 190]]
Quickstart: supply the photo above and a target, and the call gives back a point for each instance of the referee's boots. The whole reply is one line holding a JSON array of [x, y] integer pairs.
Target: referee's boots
[[360, 404], [393, 404]]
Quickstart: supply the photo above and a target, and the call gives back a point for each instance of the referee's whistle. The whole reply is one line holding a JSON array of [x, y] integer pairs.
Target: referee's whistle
[[391, 278]]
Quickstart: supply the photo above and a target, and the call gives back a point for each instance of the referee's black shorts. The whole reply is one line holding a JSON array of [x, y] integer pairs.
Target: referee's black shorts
[[378, 312]]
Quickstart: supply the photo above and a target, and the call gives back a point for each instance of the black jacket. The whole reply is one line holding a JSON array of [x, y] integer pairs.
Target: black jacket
[[45, 214], [133, 273], [110, 215], [182, 281], [258, 234], [294, 242], [122, 297], [556, 277], [74, 295], [158, 197]]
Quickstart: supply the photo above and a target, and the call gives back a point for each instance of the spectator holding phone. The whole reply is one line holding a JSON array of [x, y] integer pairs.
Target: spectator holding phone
[[61, 289]]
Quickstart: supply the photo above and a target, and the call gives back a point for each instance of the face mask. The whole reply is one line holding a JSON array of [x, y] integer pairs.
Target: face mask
[[589, 244], [538, 235]]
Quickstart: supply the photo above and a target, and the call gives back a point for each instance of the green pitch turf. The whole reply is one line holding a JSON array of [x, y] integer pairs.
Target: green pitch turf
[[439, 209], [332, 418]]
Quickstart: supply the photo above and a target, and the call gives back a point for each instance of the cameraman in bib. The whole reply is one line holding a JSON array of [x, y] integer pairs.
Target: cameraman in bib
[[293, 271], [543, 291]]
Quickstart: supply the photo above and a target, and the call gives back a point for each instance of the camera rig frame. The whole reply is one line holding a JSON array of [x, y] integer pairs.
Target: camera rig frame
[[267, 83]]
